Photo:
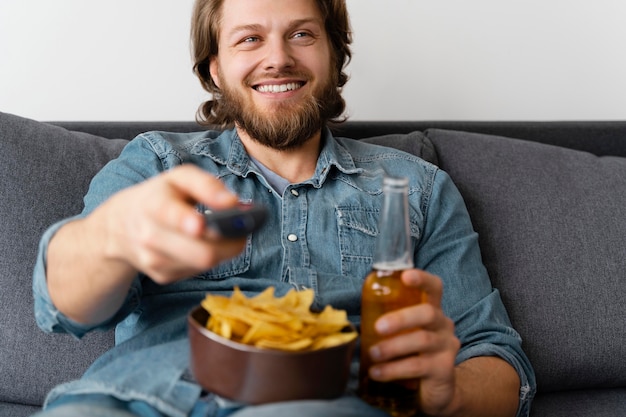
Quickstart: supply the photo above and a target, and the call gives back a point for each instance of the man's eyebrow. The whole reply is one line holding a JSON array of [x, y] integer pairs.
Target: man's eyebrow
[[300, 22], [253, 27], [244, 28]]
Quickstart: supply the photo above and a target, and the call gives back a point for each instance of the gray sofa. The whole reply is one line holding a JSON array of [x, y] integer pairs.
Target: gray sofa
[[547, 199]]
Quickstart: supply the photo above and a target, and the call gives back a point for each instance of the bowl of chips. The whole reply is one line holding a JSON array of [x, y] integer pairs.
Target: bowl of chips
[[266, 349]]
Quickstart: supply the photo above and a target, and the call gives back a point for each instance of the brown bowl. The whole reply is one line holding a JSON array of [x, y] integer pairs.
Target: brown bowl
[[255, 376]]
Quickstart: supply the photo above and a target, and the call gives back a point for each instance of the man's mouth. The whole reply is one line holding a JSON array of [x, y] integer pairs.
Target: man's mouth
[[278, 88]]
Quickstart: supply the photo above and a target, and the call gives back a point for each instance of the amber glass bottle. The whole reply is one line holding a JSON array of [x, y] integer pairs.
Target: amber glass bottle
[[383, 291]]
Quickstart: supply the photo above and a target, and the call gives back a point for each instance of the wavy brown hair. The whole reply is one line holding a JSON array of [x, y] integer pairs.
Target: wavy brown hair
[[205, 25]]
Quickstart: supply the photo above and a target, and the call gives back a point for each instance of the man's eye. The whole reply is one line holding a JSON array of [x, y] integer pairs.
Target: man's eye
[[301, 35], [250, 39]]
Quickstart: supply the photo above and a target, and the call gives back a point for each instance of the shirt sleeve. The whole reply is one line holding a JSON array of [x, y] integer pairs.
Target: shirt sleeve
[[48, 317], [116, 175], [449, 249]]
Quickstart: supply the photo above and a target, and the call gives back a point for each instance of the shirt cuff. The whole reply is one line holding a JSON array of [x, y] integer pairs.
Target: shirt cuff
[[528, 386], [47, 316]]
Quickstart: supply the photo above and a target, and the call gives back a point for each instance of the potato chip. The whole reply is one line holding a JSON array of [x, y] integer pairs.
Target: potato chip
[[331, 340], [263, 330], [270, 322], [295, 345]]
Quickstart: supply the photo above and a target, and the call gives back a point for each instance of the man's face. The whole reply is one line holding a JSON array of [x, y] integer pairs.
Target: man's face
[[274, 68]]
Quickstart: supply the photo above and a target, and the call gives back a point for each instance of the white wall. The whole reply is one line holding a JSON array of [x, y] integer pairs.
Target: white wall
[[413, 59]]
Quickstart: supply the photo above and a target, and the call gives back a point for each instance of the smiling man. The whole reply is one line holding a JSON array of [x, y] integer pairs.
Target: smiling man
[[138, 257], [275, 75]]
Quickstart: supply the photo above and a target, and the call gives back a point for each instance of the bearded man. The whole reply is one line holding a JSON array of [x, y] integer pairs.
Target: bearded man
[[138, 257]]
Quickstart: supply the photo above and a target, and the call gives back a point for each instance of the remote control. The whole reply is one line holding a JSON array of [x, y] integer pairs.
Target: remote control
[[236, 222]]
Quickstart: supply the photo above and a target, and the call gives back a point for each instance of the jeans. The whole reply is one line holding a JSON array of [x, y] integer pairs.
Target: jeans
[[97, 405], [101, 405]]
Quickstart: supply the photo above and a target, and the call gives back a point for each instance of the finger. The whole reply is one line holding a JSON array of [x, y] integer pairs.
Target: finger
[[198, 185], [427, 282], [426, 313], [179, 215], [171, 256], [406, 368], [417, 341], [421, 316], [410, 343], [426, 367], [189, 185], [201, 186]]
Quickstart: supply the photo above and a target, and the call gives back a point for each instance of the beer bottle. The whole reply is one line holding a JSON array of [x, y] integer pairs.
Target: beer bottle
[[383, 291]]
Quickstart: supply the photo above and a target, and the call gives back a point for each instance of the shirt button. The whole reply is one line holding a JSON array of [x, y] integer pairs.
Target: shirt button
[[295, 192], [292, 237]]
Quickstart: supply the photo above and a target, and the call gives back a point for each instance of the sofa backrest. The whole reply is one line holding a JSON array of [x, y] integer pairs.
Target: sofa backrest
[[44, 172], [552, 230], [597, 137]]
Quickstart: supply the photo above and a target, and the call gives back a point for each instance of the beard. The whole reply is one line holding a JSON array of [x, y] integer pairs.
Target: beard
[[287, 125]]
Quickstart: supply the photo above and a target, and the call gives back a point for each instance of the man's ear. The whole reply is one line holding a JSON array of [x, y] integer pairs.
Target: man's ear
[[213, 69]]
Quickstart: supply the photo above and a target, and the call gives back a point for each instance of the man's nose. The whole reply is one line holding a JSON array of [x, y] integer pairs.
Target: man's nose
[[279, 55]]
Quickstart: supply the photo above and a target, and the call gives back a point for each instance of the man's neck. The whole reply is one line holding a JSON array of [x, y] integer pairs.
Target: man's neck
[[295, 165]]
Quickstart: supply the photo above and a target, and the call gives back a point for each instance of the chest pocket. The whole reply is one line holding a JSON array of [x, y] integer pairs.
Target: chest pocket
[[358, 229], [231, 267]]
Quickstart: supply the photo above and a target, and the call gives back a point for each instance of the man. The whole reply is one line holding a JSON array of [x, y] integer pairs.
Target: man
[[138, 257]]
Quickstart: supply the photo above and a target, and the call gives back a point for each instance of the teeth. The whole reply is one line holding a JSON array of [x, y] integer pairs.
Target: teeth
[[280, 88]]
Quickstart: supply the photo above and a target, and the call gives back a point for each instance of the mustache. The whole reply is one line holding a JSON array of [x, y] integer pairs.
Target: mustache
[[298, 74]]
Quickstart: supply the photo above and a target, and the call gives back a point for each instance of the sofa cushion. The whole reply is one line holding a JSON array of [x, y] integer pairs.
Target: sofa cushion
[[44, 172], [413, 142], [552, 229]]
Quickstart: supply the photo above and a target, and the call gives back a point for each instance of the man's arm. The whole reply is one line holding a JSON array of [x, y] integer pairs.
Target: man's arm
[[484, 386], [84, 284], [152, 227]]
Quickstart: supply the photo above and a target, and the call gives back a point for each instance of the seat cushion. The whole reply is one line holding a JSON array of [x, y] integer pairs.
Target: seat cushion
[[45, 172], [552, 229], [17, 410], [582, 403]]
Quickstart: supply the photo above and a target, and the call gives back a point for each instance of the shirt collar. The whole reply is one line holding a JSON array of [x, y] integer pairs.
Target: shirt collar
[[228, 150]]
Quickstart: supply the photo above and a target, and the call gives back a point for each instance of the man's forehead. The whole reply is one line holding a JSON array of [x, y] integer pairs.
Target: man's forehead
[[260, 13]]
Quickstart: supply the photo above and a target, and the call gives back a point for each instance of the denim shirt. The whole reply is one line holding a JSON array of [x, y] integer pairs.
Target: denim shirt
[[320, 234]]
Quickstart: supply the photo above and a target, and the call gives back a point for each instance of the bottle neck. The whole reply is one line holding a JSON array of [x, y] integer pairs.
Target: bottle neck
[[393, 244]]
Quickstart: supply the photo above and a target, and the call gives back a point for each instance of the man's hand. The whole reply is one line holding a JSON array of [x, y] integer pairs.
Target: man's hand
[[427, 349], [156, 228], [152, 227]]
